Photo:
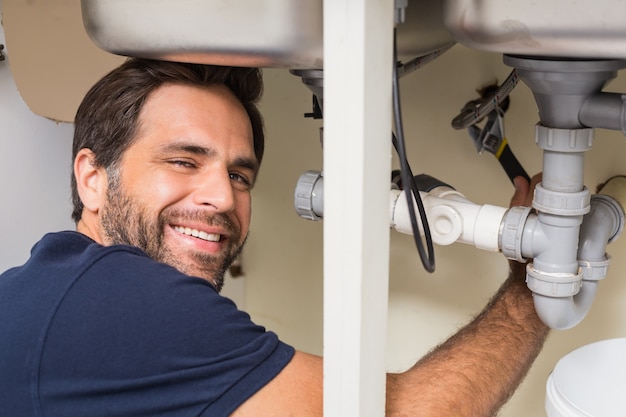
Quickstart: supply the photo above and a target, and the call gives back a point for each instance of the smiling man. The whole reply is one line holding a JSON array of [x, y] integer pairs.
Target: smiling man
[[123, 316], [181, 191]]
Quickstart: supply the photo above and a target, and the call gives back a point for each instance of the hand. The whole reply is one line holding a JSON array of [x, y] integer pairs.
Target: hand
[[523, 195]]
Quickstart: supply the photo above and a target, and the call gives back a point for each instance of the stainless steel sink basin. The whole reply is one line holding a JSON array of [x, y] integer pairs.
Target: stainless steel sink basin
[[556, 28], [262, 33]]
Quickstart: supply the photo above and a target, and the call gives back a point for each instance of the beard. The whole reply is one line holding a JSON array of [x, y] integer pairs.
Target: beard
[[124, 222]]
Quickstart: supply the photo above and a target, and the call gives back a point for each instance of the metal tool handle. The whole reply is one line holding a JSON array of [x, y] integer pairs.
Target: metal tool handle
[[509, 162]]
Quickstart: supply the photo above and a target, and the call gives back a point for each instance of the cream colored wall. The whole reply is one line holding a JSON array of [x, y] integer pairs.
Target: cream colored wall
[[54, 64]]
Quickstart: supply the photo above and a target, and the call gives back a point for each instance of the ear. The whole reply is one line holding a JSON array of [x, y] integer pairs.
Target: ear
[[91, 182]]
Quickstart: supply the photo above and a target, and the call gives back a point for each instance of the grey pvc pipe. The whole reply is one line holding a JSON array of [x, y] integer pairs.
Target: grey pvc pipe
[[565, 313], [560, 221], [602, 224], [604, 110]]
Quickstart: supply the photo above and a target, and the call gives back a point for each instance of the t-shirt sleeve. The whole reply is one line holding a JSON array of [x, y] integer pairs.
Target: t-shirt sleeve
[[134, 337]]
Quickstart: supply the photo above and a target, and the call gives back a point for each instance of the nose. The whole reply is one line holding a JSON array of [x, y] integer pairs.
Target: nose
[[216, 190]]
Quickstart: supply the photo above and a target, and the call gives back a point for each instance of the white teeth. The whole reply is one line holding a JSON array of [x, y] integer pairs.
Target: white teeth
[[211, 237]]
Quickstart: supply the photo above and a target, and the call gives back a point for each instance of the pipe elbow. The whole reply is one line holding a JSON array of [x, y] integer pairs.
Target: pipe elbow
[[563, 300], [562, 313]]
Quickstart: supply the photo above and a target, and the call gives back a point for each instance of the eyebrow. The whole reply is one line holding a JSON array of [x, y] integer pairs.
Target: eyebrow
[[243, 162]]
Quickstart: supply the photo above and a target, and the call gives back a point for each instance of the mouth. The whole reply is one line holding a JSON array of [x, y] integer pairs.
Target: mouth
[[209, 237]]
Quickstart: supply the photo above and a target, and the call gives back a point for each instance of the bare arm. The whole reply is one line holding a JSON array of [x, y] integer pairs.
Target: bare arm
[[477, 370], [471, 374]]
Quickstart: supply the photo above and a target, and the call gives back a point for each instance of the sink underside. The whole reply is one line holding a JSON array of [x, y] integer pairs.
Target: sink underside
[[289, 33], [261, 33], [555, 28]]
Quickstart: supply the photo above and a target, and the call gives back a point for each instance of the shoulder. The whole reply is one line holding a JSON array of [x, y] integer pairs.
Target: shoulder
[[154, 330], [71, 250], [119, 292], [79, 256]]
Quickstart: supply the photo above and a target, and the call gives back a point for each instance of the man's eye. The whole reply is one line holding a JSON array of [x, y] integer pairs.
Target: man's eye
[[182, 163], [239, 178]]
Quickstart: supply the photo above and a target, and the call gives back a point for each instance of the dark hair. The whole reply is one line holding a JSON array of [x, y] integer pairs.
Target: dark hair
[[107, 119]]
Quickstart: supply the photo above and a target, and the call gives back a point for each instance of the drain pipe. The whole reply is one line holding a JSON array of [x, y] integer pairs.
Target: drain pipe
[[562, 289], [564, 275], [561, 201], [602, 225], [568, 259], [604, 110], [451, 216]]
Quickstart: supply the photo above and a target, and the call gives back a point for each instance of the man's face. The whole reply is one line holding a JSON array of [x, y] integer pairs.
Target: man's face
[[182, 192]]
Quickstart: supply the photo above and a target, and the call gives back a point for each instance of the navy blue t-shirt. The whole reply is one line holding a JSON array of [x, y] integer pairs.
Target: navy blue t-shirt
[[89, 330]]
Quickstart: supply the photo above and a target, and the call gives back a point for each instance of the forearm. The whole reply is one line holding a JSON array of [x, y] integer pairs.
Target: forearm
[[475, 371]]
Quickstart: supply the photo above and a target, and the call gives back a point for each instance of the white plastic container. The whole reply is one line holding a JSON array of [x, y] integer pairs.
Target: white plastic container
[[589, 382]]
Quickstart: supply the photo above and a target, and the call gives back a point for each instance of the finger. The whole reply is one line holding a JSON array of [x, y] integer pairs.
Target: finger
[[536, 179], [521, 191]]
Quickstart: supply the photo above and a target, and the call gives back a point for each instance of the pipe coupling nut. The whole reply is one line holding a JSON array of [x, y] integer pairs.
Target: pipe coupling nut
[[553, 284], [562, 203], [307, 194], [563, 140], [595, 270], [511, 232]]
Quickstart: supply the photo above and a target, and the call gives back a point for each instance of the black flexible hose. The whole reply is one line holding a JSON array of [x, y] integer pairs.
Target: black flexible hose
[[427, 255]]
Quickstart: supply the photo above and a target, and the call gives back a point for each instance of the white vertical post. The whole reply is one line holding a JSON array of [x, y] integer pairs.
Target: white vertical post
[[358, 41]]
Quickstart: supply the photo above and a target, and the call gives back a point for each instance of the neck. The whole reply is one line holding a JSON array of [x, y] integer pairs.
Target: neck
[[87, 226]]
